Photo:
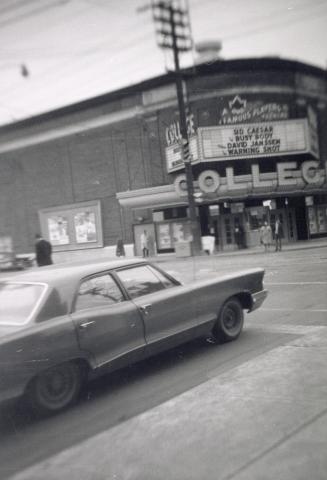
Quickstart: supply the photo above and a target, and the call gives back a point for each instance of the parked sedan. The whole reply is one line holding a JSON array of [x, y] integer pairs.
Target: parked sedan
[[62, 325]]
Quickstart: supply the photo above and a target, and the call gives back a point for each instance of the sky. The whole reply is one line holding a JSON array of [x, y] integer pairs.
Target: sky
[[77, 49]]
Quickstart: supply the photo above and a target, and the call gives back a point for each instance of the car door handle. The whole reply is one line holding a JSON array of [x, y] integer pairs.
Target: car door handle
[[145, 308], [84, 325]]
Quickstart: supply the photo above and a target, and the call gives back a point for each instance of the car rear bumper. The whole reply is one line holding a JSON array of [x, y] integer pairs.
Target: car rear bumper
[[258, 298]]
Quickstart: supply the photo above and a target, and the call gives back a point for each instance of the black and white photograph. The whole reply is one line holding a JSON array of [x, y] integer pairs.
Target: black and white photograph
[[163, 240]]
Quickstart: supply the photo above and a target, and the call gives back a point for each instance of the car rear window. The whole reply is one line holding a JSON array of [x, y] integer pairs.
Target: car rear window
[[18, 301]]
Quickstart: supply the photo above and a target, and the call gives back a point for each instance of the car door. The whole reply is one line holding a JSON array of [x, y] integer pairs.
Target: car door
[[168, 308], [108, 325]]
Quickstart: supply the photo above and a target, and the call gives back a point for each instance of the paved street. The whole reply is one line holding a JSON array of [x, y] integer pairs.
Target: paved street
[[251, 410]]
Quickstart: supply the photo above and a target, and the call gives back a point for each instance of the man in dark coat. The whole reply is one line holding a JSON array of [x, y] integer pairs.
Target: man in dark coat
[[43, 250]]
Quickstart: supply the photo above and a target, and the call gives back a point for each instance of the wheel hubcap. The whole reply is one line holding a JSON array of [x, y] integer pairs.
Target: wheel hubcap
[[230, 319], [56, 388], [56, 384]]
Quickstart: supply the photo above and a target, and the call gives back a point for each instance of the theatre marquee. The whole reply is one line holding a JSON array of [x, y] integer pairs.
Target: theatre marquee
[[264, 139]]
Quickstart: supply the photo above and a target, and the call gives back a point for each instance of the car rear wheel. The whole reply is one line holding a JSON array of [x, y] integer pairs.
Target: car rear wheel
[[230, 321], [55, 388]]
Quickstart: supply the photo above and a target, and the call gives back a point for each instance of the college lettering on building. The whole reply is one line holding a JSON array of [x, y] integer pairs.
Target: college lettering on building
[[288, 176], [173, 130], [174, 158]]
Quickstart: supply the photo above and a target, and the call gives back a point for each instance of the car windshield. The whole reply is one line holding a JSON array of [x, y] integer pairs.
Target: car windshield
[[18, 301]]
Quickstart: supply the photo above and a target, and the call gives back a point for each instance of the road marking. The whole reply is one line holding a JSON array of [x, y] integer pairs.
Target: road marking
[[318, 310], [295, 283]]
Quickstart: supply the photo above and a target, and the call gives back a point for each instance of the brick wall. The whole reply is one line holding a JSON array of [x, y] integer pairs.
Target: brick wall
[[85, 166]]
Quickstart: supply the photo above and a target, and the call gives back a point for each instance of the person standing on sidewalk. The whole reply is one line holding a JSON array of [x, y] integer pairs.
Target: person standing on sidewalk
[[266, 236], [120, 249], [43, 250], [278, 234], [145, 244], [237, 235]]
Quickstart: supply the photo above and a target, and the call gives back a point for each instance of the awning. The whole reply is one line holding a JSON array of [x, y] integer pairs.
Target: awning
[[166, 195], [161, 196]]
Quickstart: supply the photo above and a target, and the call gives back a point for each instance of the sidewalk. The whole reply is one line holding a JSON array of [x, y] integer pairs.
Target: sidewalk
[[263, 420], [109, 254], [299, 245]]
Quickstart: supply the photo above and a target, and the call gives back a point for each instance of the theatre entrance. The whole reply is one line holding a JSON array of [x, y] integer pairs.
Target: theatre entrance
[[241, 230]]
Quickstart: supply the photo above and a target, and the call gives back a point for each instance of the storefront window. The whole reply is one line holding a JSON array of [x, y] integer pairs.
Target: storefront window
[[164, 239], [228, 229], [317, 216], [312, 220], [169, 233], [257, 215], [321, 218]]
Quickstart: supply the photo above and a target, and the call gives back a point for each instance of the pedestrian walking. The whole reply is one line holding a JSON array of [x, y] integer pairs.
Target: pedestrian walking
[[278, 234], [145, 244], [43, 250], [266, 236]]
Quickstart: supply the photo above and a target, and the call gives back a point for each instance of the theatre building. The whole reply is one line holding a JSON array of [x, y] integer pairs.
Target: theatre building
[[111, 167]]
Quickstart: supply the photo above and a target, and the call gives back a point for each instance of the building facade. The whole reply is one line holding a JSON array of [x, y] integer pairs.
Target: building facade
[[111, 167]]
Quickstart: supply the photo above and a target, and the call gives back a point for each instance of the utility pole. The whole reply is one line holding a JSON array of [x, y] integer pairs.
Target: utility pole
[[175, 34]]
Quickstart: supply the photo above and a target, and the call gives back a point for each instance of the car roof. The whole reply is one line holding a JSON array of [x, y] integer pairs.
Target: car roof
[[70, 272]]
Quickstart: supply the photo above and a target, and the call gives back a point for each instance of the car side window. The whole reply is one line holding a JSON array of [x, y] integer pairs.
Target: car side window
[[167, 282], [140, 281], [99, 291]]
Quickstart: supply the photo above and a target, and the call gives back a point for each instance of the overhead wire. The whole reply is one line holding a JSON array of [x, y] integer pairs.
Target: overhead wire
[[233, 3], [67, 87], [95, 47], [80, 69], [273, 26], [274, 13], [32, 12], [71, 67], [13, 5]]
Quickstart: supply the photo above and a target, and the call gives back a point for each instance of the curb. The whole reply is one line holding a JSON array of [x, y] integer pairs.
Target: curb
[[238, 253]]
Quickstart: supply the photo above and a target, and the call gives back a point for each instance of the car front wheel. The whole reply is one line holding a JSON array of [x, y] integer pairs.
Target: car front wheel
[[55, 388], [230, 321]]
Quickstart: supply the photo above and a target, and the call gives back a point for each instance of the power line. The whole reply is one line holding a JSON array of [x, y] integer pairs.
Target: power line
[[43, 52], [32, 12], [14, 5], [70, 66], [69, 70], [274, 13], [66, 86], [94, 49], [273, 26]]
